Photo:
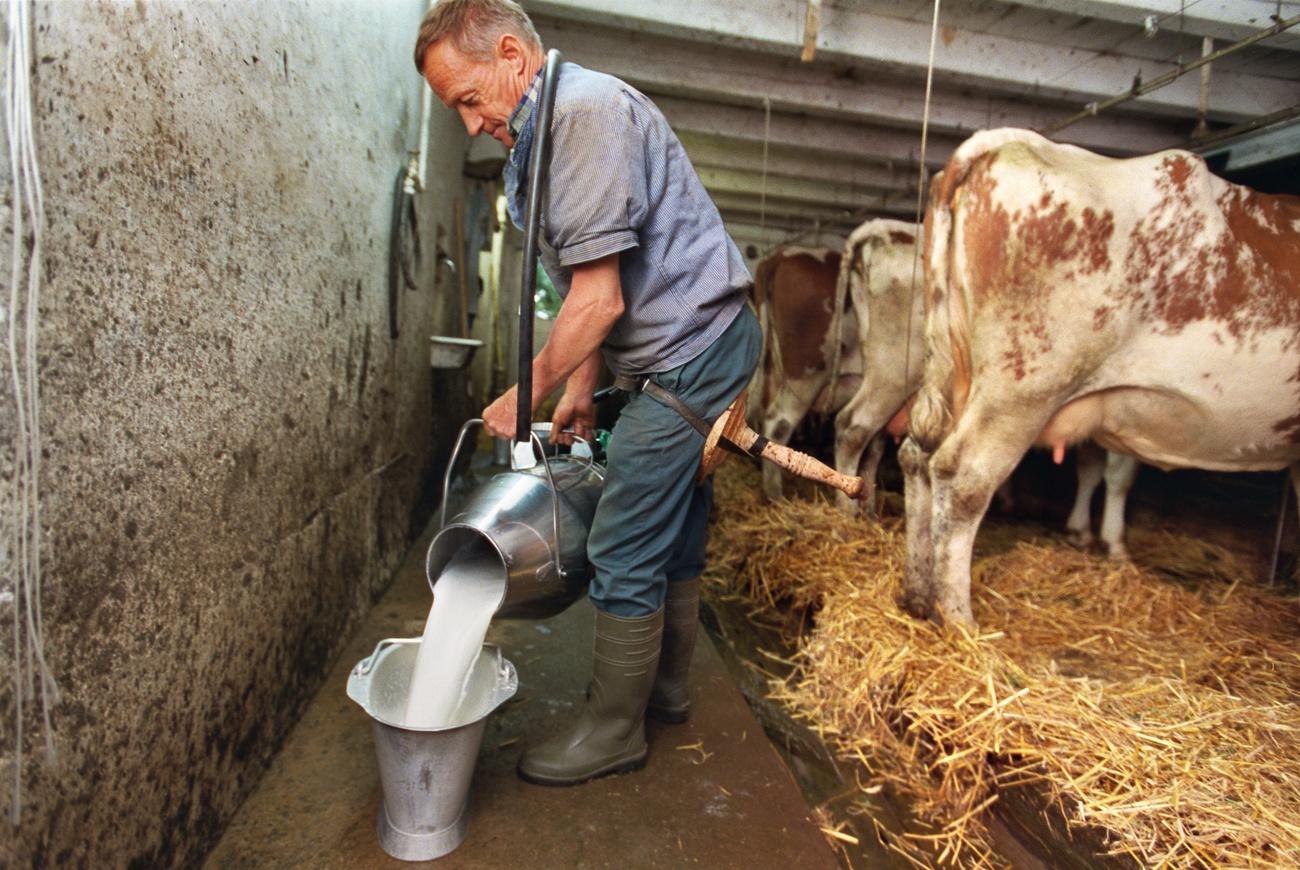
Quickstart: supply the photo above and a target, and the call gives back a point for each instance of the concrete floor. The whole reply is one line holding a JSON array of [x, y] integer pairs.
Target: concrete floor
[[714, 794]]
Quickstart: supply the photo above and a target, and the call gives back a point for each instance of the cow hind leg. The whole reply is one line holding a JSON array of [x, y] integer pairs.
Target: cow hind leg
[[965, 471], [859, 445], [850, 444], [917, 596], [1121, 470], [783, 414], [1090, 461], [869, 468]]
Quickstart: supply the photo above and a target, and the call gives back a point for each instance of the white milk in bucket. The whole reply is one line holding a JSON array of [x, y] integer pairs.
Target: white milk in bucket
[[467, 594]]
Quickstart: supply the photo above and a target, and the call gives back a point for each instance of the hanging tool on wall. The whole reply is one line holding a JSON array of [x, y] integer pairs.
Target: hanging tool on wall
[[404, 244]]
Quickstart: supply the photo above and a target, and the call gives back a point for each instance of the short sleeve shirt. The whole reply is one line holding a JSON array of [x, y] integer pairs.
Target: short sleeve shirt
[[620, 182]]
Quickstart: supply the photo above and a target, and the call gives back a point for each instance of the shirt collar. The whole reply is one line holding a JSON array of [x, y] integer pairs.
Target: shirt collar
[[524, 109]]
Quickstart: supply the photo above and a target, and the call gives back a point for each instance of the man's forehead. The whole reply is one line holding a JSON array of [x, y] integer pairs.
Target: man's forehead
[[448, 72]]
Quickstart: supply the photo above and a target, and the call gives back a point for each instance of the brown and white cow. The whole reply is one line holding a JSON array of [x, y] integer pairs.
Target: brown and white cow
[[794, 291], [1143, 303], [877, 273]]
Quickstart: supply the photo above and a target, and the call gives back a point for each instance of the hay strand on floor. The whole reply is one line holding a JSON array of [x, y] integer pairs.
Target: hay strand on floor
[[1153, 703]]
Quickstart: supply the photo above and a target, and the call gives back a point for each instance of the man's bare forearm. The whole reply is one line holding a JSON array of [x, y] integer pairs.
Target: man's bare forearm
[[584, 378], [594, 304]]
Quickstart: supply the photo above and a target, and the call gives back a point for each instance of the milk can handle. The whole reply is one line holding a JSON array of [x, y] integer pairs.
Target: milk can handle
[[451, 465], [591, 453], [555, 504]]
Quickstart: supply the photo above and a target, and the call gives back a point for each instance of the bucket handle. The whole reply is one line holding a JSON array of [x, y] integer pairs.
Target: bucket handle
[[367, 664], [550, 479]]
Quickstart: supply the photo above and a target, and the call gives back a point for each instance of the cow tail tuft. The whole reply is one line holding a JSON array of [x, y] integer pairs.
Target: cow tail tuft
[[931, 415]]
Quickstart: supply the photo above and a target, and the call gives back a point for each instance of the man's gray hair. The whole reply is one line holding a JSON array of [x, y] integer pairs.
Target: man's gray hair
[[473, 26]]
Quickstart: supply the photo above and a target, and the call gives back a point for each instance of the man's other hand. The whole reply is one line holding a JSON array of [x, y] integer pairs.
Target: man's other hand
[[500, 417], [575, 411]]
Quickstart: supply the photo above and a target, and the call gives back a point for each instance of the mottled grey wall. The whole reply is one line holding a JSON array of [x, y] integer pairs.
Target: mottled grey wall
[[235, 449]]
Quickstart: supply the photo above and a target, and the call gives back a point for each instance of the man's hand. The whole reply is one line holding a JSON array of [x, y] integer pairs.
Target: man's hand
[[500, 417], [575, 411], [594, 303]]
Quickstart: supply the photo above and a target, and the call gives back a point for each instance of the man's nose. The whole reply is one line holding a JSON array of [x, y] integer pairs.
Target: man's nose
[[473, 122]]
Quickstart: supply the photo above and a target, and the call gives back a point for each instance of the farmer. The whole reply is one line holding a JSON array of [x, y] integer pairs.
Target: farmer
[[654, 288]]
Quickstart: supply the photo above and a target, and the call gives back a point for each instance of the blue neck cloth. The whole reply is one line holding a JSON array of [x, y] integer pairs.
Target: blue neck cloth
[[522, 124]]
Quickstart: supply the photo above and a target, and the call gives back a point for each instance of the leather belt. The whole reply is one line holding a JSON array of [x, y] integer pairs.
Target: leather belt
[[645, 384]]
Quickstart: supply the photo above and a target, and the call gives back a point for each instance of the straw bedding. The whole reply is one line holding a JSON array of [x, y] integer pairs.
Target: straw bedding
[[1154, 705]]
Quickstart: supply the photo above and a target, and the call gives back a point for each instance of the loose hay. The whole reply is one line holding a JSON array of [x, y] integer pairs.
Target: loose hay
[[1160, 711]]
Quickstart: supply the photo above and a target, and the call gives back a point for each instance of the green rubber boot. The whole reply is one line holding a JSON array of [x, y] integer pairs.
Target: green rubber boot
[[609, 736], [670, 700]]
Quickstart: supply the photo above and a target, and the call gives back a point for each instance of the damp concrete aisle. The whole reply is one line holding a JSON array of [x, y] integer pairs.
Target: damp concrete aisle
[[714, 793]]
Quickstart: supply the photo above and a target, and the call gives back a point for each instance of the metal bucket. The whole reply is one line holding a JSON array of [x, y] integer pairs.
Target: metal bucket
[[534, 522], [425, 772]]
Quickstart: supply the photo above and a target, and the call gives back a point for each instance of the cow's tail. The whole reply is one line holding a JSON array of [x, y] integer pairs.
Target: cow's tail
[[946, 382], [852, 246]]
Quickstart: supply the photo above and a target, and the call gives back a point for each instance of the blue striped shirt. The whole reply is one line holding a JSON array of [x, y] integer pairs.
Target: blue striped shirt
[[620, 182]]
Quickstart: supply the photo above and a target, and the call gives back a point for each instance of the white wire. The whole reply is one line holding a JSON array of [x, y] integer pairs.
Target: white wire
[[762, 195], [32, 677], [920, 190]]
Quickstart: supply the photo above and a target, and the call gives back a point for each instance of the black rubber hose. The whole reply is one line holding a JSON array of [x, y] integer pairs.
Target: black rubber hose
[[538, 170]]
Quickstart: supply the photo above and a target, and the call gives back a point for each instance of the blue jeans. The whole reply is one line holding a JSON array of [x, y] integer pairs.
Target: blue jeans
[[651, 525]]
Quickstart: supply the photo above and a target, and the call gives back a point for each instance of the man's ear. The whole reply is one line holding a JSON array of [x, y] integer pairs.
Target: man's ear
[[510, 49]]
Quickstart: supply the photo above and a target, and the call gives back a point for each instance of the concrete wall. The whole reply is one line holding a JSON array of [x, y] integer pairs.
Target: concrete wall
[[235, 448]]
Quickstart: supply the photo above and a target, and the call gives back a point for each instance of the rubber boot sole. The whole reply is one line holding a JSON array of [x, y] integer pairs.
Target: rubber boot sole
[[626, 766]]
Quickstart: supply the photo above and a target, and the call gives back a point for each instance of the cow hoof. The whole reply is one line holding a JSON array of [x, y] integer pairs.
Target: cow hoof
[[857, 508], [915, 605], [1081, 538], [1118, 553], [957, 618]]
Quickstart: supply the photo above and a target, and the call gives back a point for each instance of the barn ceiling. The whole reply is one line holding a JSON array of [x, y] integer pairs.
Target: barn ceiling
[[842, 133]]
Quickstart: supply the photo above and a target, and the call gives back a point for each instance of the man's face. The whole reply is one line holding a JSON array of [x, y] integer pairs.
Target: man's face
[[483, 92]]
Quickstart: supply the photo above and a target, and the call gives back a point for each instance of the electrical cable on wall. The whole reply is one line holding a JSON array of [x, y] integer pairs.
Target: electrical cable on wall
[[20, 556]]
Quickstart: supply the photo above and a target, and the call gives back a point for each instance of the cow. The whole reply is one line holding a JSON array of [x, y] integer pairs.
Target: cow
[[877, 273], [794, 292], [1143, 303]]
